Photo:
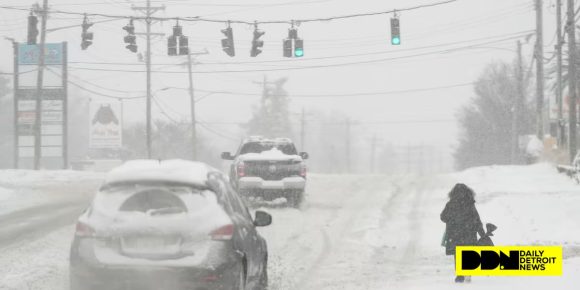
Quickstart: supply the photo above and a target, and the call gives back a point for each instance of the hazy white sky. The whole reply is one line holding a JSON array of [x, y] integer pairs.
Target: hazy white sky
[[413, 65]]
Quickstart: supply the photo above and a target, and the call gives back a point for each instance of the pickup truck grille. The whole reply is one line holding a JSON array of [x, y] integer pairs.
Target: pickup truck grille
[[270, 170]]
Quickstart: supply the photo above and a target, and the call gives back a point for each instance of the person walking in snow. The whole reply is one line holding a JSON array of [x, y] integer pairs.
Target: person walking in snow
[[462, 221]]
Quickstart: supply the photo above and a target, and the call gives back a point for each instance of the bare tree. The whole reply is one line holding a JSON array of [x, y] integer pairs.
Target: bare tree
[[486, 123], [272, 117]]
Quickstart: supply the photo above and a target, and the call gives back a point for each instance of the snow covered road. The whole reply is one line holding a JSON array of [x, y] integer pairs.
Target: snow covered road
[[353, 232]]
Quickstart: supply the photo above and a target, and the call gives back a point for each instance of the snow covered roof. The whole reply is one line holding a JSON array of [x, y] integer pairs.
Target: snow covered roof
[[174, 171], [273, 154], [279, 140]]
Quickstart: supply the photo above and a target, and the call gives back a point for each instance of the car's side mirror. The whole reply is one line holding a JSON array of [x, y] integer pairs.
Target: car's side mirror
[[304, 155], [262, 219], [227, 156]]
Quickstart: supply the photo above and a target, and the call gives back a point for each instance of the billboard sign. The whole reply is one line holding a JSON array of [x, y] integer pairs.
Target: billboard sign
[[106, 129], [28, 54]]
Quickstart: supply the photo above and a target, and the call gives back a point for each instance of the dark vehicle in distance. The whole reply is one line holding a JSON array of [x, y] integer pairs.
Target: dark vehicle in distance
[[168, 225]]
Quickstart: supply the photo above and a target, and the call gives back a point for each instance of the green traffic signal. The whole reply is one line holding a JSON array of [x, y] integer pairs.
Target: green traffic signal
[[299, 52], [396, 41], [395, 31], [298, 48]]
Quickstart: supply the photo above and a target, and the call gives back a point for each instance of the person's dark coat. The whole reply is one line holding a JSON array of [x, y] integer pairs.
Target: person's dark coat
[[461, 219]]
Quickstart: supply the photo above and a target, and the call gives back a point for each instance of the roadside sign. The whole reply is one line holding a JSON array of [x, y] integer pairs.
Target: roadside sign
[[30, 53], [106, 129], [53, 146]]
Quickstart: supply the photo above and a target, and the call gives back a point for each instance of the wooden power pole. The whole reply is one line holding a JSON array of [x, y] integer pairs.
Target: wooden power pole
[[148, 10], [559, 87], [540, 69], [570, 26], [39, 85]]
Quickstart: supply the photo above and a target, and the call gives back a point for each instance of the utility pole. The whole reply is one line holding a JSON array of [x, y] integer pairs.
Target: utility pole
[[303, 130], [517, 106], [373, 153], [570, 26], [192, 101], [559, 89], [540, 70], [347, 144], [39, 83], [148, 11], [148, 64]]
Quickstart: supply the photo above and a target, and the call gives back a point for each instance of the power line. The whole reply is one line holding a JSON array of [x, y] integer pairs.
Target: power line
[[217, 133], [327, 95], [304, 67], [188, 3], [84, 88], [354, 94], [163, 111], [502, 39], [354, 123], [202, 19]]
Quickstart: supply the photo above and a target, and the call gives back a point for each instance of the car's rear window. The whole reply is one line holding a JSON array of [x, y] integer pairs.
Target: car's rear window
[[259, 147], [153, 198]]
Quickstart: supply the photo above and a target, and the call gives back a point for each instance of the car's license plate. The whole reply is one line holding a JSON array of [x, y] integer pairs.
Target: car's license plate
[[150, 244]]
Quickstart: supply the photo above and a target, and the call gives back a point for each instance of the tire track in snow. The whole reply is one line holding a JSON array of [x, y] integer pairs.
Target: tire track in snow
[[396, 256], [356, 206]]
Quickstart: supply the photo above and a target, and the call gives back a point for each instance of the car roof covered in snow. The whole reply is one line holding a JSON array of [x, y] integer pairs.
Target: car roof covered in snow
[[169, 171], [261, 139]]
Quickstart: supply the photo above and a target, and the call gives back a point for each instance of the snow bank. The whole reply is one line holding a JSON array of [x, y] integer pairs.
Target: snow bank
[[5, 193], [516, 179], [16, 178], [20, 189]]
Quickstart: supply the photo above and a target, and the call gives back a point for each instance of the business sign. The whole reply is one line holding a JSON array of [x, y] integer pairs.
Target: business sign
[[29, 54], [106, 129], [52, 128], [509, 261], [53, 108]]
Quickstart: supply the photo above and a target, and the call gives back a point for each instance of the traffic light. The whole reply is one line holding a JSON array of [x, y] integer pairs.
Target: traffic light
[[293, 33], [228, 42], [130, 38], [298, 48], [177, 30], [257, 43], [395, 31], [287, 47], [32, 29], [172, 45], [183, 45], [293, 46], [177, 43], [87, 37]]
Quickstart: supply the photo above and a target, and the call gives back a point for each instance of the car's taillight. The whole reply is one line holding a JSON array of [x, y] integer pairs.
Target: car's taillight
[[84, 230], [223, 233], [241, 169], [303, 170]]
